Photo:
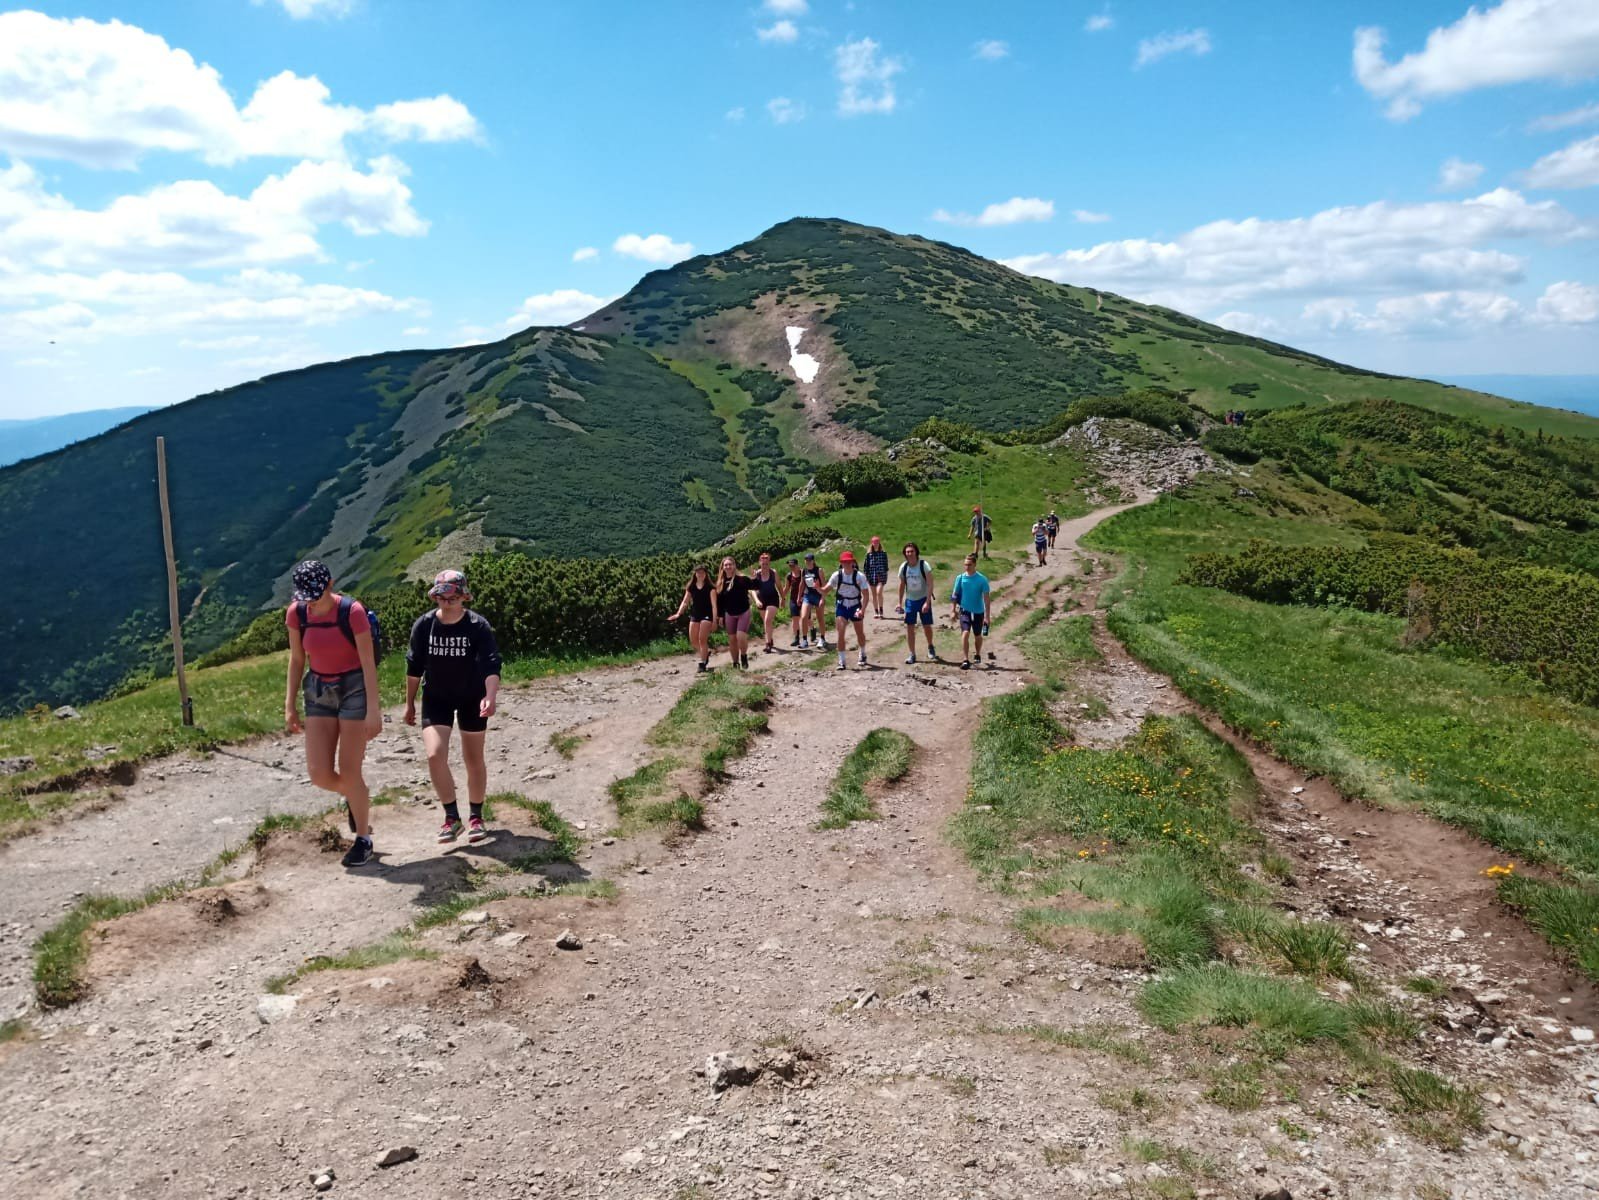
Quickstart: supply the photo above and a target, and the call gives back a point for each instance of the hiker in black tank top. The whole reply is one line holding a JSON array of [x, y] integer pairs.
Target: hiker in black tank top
[[697, 602], [732, 598], [768, 591]]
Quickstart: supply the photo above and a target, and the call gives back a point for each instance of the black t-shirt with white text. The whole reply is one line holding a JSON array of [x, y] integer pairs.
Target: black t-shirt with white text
[[452, 660]]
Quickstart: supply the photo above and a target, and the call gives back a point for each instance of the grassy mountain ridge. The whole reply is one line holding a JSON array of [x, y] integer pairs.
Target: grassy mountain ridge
[[661, 423]]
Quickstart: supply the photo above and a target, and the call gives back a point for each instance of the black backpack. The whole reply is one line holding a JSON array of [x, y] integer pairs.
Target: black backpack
[[380, 644]]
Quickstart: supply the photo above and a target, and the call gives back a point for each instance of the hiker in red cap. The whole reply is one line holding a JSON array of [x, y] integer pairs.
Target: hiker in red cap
[[848, 586]]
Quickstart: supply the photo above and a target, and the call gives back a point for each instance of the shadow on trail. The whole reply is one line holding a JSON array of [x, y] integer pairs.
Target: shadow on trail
[[453, 874]]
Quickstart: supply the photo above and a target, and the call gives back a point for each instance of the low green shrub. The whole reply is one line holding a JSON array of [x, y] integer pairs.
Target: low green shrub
[[866, 479]]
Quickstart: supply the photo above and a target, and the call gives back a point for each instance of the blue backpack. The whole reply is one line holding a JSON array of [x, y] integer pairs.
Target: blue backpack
[[380, 644]]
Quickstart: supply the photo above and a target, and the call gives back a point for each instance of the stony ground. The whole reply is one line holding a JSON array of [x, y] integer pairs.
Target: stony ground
[[878, 1015]]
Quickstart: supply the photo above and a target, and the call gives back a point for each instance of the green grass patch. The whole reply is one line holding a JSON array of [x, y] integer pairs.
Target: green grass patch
[[13, 1030], [62, 951], [882, 756], [565, 841], [1333, 691], [1213, 994], [396, 947], [1055, 649], [566, 743], [1567, 916], [1101, 1039]]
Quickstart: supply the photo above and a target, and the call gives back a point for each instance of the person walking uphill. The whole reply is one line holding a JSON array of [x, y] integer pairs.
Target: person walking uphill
[[877, 573], [701, 613], [916, 600], [452, 656], [982, 531], [332, 635], [732, 599], [849, 594], [969, 597]]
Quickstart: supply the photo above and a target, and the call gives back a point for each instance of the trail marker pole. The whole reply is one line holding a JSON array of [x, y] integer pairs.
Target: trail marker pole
[[172, 580]]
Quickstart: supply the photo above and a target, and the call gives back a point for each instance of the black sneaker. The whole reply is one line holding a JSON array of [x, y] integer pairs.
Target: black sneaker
[[744, 661], [967, 665], [359, 854]]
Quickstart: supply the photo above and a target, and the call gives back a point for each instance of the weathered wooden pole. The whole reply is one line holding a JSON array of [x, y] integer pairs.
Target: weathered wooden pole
[[172, 580]]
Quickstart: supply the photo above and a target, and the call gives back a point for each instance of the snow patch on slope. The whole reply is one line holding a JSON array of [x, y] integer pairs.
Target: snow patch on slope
[[805, 366]]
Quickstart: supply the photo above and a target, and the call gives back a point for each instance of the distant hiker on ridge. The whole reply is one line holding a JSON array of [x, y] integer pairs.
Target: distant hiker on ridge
[[453, 657], [982, 531], [333, 635], [1053, 522], [1041, 539]]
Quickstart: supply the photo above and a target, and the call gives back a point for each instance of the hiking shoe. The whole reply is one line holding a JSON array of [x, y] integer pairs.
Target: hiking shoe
[[359, 854], [863, 659], [932, 654], [966, 664], [450, 830], [744, 661], [794, 642], [842, 666], [911, 661], [475, 832], [702, 668]]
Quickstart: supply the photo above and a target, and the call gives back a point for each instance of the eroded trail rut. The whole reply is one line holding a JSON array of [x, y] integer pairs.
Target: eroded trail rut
[[883, 989]]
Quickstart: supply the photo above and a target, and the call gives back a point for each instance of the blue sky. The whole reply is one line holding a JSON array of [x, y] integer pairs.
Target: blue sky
[[195, 194]]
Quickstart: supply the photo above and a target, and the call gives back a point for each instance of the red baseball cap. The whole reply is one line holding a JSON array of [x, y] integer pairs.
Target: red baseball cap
[[846, 557]]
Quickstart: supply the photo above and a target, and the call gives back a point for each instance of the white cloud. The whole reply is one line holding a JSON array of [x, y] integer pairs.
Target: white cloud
[[414, 331], [88, 308], [1099, 23], [1588, 114], [784, 111], [557, 308], [1512, 42], [437, 119], [585, 253], [788, 8], [106, 94], [1252, 324], [1456, 175], [990, 50], [301, 9], [1085, 217], [195, 224], [1006, 212], [781, 32], [1574, 167], [656, 248], [1163, 45], [865, 79], [735, 114], [1441, 245], [1569, 303]]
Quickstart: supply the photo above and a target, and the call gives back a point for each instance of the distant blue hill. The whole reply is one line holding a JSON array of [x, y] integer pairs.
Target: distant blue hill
[[40, 435], [1577, 392]]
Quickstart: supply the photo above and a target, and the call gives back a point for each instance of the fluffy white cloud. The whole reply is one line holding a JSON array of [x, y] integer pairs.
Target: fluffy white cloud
[[556, 308], [585, 253], [1456, 175], [1441, 245], [735, 114], [104, 94], [195, 224], [990, 50], [1588, 114], [1006, 212], [784, 111], [1177, 41], [1084, 216], [1569, 303], [1511, 42], [301, 9], [1574, 167], [656, 248], [865, 78], [87, 308], [779, 31], [788, 8], [1252, 324], [1099, 23]]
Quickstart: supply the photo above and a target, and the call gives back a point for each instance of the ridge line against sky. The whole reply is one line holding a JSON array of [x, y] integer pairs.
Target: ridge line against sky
[[193, 196]]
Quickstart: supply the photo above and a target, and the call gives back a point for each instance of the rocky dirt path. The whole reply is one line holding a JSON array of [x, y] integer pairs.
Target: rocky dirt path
[[894, 1021]]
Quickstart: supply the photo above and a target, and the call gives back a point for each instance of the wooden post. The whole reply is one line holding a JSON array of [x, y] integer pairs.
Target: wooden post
[[172, 580]]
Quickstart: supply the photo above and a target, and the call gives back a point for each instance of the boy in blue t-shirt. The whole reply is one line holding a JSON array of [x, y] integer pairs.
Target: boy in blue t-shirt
[[970, 600]]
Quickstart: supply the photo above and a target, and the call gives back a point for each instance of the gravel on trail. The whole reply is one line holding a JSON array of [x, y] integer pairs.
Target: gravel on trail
[[765, 1010]]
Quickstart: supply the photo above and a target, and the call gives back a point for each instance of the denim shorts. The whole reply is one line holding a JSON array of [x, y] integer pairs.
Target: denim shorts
[[919, 610], [341, 696], [974, 622]]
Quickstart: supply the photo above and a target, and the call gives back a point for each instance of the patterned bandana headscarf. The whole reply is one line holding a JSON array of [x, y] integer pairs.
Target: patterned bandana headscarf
[[448, 583], [311, 579]]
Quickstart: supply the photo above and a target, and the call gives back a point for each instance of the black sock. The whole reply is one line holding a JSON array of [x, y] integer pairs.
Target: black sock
[[477, 812], [452, 812]]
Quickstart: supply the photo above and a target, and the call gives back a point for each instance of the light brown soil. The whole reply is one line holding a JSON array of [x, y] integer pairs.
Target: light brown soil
[[873, 954]]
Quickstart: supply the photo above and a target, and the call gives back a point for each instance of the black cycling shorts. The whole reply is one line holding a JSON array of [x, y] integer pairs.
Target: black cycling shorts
[[454, 710]]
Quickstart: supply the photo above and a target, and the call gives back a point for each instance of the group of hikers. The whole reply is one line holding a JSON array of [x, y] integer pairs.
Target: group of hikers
[[452, 660], [729, 600]]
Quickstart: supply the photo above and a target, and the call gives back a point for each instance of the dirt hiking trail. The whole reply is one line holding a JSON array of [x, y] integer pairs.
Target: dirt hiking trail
[[883, 1027]]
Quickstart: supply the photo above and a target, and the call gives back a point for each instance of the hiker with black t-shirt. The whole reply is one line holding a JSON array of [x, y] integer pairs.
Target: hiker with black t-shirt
[[452, 656], [701, 613], [732, 600]]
